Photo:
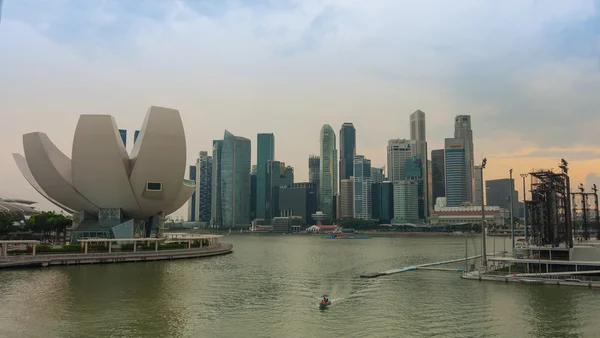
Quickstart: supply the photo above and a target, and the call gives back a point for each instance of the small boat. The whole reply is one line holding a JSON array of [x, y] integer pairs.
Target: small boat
[[325, 302]]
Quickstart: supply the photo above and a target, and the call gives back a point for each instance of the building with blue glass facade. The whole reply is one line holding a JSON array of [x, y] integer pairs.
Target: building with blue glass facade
[[455, 169], [382, 202], [414, 172], [204, 188], [265, 152], [438, 177], [347, 151]]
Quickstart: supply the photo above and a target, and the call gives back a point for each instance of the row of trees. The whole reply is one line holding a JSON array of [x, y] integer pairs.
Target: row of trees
[[48, 223]]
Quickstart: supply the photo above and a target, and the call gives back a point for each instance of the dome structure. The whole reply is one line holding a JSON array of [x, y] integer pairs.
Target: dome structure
[[101, 182]]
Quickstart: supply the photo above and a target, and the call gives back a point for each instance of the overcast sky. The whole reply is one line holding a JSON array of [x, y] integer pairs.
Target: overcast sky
[[528, 72]]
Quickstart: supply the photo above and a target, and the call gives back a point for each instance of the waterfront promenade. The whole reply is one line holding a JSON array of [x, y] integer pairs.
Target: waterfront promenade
[[43, 260]]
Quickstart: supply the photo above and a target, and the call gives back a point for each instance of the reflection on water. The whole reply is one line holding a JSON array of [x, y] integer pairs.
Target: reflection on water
[[270, 286], [545, 305]]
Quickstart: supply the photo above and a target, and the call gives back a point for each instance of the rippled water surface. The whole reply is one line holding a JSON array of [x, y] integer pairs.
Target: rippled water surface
[[269, 287]]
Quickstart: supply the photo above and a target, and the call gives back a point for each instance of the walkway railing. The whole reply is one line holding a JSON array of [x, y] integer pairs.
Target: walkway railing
[[532, 275], [40, 256]]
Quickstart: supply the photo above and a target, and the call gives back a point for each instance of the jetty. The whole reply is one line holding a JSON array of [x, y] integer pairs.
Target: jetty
[[426, 266]]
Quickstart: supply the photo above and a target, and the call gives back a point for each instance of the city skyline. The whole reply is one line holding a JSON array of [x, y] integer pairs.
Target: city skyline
[[517, 109]]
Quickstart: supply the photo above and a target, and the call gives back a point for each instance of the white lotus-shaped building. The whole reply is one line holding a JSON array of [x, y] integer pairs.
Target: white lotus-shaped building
[[111, 193]]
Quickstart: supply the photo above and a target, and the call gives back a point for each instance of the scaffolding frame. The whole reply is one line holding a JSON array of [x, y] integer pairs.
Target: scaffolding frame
[[550, 208]]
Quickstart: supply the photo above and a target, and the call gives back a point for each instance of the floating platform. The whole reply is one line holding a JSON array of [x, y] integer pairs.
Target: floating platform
[[43, 260]]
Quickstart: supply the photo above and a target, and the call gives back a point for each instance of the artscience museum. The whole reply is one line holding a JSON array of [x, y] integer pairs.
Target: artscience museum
[[112, 194]]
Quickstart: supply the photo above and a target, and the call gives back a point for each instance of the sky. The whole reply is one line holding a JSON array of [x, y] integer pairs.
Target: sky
[[527, 71]]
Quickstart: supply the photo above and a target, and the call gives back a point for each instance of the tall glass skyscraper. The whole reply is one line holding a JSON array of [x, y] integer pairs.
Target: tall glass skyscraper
[[438, 177], [204, 188], [463, 131], [216, 205], [382, 201], [456, 190], [235, 180], [265, 152], [418, 137], [362, 187], [314, 169], [414, 172], [329, 171], [347, 150], [192, 201]]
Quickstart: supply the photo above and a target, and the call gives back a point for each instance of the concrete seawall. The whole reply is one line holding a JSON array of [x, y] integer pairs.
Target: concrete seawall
[[42, 260]]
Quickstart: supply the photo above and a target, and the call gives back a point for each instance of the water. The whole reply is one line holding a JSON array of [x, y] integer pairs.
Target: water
[[270, 287]]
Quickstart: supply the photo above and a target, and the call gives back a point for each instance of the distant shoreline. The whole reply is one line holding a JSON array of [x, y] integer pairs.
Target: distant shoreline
[[369, 233]]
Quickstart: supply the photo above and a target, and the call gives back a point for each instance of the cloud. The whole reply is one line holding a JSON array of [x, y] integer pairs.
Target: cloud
[[572, 154], [527, 71], [592, 179]]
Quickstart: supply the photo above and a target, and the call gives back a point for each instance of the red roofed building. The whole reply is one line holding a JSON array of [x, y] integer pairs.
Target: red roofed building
[[322, 228], [449, 215]]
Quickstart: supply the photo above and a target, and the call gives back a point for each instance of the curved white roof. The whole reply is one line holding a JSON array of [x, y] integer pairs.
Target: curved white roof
[[101, 175]]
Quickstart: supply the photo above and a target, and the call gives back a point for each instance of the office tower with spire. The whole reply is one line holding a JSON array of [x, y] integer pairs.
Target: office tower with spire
[[362, 187], [328, 178], [463, 131], [265, 152], [418, 137], [347, 150]]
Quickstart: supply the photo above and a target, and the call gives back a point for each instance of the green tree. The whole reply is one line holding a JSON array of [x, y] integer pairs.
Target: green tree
[[6, 223], [358, 224], [49, 222]]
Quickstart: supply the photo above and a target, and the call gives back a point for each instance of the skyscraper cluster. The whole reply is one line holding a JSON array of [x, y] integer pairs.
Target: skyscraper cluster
[[231, 191]]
